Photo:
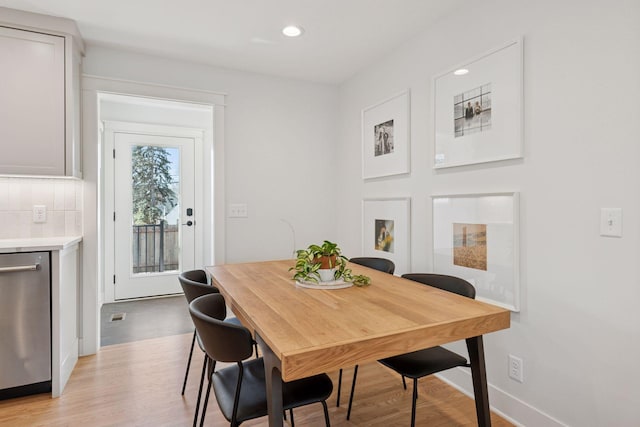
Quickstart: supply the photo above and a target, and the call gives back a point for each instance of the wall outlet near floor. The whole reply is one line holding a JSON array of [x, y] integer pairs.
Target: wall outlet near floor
[[515, 368], [39, 213]]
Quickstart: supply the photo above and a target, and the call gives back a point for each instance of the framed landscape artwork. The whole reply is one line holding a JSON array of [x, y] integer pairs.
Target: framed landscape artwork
[[478, 109], [385, 137], [385, 230], [476, 237]]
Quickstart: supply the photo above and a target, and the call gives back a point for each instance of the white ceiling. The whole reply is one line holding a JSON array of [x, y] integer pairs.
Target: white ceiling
[[341, 36]]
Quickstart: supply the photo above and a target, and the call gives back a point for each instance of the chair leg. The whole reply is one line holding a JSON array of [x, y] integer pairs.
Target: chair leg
[[413, 405], [186, 373], [404, 383], [204, 369], [326, 413], [291, 416], [339, 388], [206, 401], [353, 389]]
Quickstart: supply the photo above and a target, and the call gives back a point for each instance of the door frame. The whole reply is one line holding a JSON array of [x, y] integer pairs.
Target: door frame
[[111, 128], [92, 288]]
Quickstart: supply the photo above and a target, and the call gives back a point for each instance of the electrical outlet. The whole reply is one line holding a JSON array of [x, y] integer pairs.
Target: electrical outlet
[[39, 213], [515, 368]]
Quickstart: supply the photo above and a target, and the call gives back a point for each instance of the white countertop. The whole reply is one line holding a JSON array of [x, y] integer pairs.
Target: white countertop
[[38, 244]]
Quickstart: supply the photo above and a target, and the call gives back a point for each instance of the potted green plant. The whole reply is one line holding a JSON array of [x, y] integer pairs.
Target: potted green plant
[[325, 263], [329, 256]]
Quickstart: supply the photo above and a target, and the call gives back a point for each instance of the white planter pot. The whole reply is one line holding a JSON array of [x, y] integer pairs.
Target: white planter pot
[[327, 275]]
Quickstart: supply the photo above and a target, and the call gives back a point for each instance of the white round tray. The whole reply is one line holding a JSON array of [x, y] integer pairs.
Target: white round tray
[[334, 284]]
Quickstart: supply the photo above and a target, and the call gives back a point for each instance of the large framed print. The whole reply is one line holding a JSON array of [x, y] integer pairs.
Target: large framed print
[[386, 225], [476, 237], [478, 109], [385, 137]]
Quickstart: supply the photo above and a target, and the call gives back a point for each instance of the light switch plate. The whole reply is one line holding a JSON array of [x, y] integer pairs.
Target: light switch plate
[[237, 210], [611, 222]]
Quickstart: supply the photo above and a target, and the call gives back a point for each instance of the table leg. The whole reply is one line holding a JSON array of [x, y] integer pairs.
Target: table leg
[[273, 378], [479, 375]]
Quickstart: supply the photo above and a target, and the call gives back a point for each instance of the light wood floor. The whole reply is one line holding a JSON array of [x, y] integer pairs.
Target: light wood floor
[[138, 384]]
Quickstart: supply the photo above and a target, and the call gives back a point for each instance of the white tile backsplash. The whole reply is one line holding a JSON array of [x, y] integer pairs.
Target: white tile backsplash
[[4, 196], [70, 222], [62, 197], [9, 224], [37, 230], [79, 200], [41, 193], [55, 225], [14, 196], [69, 195], [58, 195]]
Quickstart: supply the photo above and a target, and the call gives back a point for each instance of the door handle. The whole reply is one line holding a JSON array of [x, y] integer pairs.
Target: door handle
[[189, 223], [18, 268]]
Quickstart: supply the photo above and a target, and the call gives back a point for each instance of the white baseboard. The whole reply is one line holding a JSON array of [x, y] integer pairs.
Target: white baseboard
[[502, 403]]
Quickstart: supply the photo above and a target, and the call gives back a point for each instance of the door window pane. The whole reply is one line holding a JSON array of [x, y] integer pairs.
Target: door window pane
[[155, 180]]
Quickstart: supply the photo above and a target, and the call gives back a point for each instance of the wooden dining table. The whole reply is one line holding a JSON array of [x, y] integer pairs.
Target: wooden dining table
[[304, 332]]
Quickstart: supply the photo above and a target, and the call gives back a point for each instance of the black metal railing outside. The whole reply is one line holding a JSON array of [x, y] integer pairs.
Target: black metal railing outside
[[155, 247]]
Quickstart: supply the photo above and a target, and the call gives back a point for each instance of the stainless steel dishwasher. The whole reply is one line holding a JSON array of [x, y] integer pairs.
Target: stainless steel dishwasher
[[25, 324]]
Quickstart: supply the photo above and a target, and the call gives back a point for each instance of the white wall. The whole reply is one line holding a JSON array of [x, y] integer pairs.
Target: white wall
[[280, 137], [578, 329]]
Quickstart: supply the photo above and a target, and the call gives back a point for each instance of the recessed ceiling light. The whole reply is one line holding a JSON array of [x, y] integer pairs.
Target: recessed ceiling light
[[292, 31], [461, 72]]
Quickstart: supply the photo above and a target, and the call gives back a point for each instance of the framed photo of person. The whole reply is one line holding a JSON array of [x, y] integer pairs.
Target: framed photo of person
[[386, 227], [478, 109], [385, 137], [476, 237]]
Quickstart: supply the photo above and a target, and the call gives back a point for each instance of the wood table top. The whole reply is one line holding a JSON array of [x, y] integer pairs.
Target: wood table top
[[316, 330]]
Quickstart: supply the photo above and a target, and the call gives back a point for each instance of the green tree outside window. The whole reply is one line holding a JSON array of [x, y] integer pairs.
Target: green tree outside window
[[152, 184]]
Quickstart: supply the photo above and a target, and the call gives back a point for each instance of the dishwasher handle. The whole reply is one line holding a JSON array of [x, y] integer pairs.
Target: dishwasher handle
[[19, 268]]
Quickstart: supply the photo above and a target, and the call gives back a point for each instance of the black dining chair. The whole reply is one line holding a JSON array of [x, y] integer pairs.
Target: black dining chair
[[194, 284], [421, 363], [380, 264], [240, 389]]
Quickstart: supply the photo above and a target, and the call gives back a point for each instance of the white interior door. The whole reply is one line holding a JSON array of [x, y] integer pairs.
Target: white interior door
[[154, 222]]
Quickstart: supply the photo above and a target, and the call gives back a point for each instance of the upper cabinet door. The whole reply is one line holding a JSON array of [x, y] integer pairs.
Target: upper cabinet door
[[32, 103]]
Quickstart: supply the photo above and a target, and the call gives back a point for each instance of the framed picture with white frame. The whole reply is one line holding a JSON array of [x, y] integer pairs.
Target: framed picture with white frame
[[478, 111], [386, 224], [475, 237], [385, 137]]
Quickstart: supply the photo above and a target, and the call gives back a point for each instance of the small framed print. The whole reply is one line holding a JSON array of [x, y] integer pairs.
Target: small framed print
[[385, 137], [478, 109], [386, 230], [475, 237]]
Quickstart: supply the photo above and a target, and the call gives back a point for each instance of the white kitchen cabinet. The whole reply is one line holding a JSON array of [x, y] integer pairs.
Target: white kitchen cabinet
[[64, 316], [39, 95]]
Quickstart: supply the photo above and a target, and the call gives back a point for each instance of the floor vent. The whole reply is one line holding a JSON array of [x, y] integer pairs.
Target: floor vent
[[117, 316]]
